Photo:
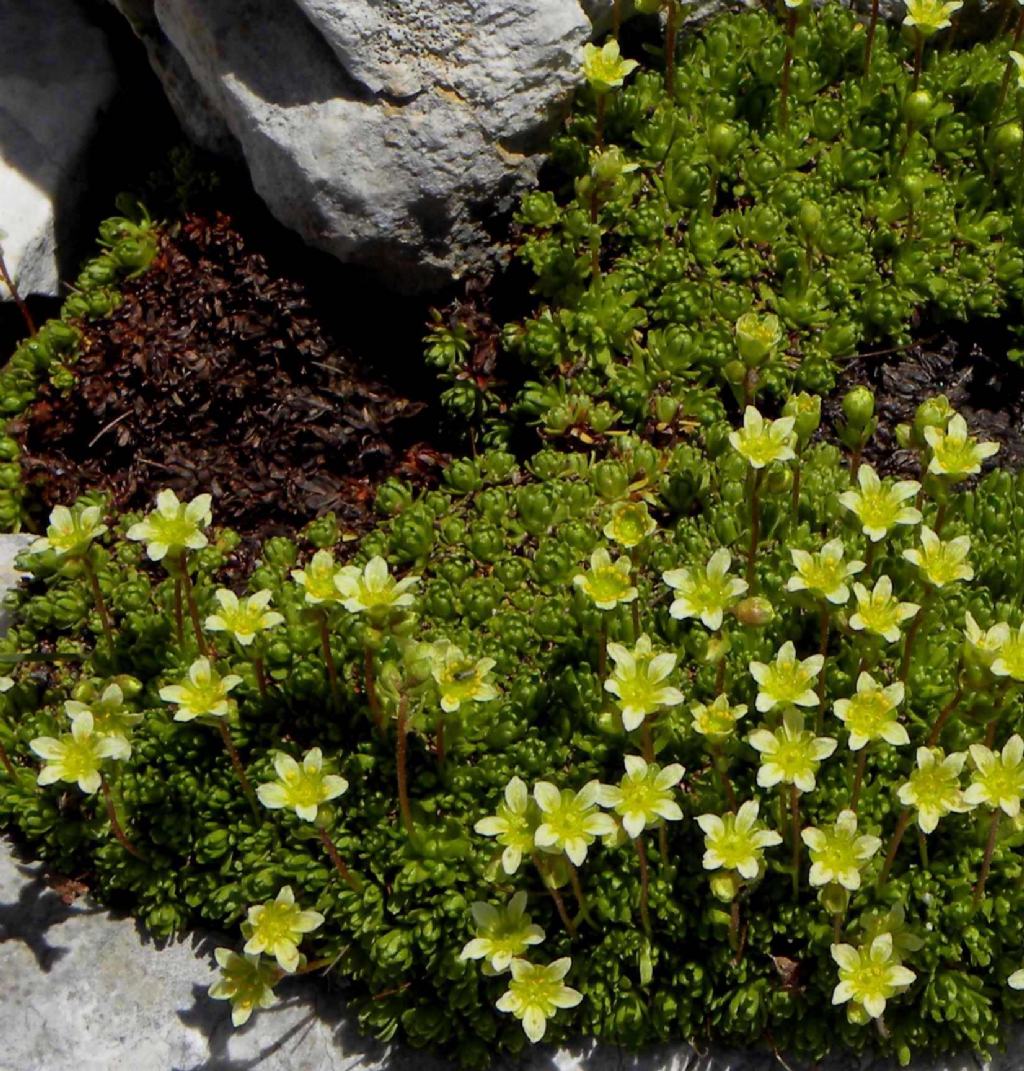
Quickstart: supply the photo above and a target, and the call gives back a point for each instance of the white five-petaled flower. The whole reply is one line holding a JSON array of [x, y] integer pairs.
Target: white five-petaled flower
[[791, 754], [878, 612], [998, 780], [173, 527], [501, 933], [570, 821], [706, 593], [77, 756], [871, 715], [839, 854], [459, 677], [203, 694], [243, 618], [736, 841], [278, 927], [762, 441], [934, 787], [536, 992], [1009, 659], [956, 454], [645, 796], [824, 574], [512, 825], [301, 788], [871, 975], [110, 717], [717, 719], [638, 681], [787, 680], [71, 531], [372, 589], [607, 583], [247, 981], [879, 506], [317, 579], [983, 645], [631, 523], [941, 562]]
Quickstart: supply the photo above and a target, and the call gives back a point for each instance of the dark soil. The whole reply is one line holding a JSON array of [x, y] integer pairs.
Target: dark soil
[[219, 373], [971, 368]]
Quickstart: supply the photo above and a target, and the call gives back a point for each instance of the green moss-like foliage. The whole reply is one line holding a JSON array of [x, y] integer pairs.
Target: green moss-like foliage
[[497, 552], [874, 210]]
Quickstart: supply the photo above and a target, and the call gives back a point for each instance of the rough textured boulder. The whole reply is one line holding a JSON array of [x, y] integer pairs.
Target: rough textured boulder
[[56, 77], [386, 132]]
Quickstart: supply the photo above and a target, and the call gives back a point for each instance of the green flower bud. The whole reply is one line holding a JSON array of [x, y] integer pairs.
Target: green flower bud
[[1007, 139], [917, 107], [933, 413], [809, 218], [722, 140], [758, 336], [859, 407], [806, 412], [611, 480], [755, 612]]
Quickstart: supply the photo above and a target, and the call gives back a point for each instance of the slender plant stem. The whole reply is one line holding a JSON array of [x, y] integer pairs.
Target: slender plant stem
[[179, 612], [794, 807], [894, 845], [577, 890], [837, 929], [602, 652], [720, 670], [915, 628], [869, 42], [755, 526], [440, 750], [647, 740], [634, 607], [663, 843], [236, 762], [944, 716], [922, 848], [261, 674], [328, 656], [918, 64], [616, 18], [824, 622], [370, 684], [115, 823], [734, 925], [990, 731], [858, 778], [718, 759], [193, 608], [986, 863], [8, 281], [601, 112], [671, 35], [797, 473], [5, 760], [401, 758], [787, 67], [101, 604], [556, 896], [645, 880], [339, 863]]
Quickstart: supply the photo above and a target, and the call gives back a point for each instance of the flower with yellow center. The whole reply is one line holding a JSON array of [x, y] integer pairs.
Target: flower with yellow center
[[870, 975], [762, 441], [879, 505], [243, 618], [717, 719], [955, 454], [705, 593], [247, 981], [604, 68], [824, 574], [301, 789], [839, 854], [606, 583], [460, 678], [278, 927], [934, 787], [512, 825], [535, 993], [878, 612], [982, 646], [871, 714], [893, 921], [736, 841], [645, 796], [502, 933], [317, 579], [173, 527], [786, 681], [203, 694], [998, 780], [76, 757], [372, 589], [941, 562], [570, 821], [71, 531], [638, 681], [1009, 661], [630, 524], [109, 715], [791, 754], [758, 336]]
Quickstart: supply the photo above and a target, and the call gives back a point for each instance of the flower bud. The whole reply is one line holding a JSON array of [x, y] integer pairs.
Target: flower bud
[[917, 107], [913, 187], [933, 413], [611, 480], [725, 886], [903, 436], [757, 337], [859, 407], [718, 647], [834, 899], [806, 411], [779, 480], [131, 687], [1007, 139], [809, 218], [755, 612], [722, 140], [666, 409]]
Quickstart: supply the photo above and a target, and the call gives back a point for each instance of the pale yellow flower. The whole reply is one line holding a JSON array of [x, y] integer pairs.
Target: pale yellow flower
[[878, 612], [278, 927], [501, 933], [762, 441], [787, 680], [606, 583], [536, 993], [870, 976], [879, 506], [512, 825], [77, 757], [839, 854], [983, 645], [998, 780], [302, 789], [243, 618], [638, 681], [941, 563], [736, 841], [247, 981], [317, 579], [372, 589], [706, 593], [570, 821], [1009, 660], [173, 527], [110, 717], [934, 787], [955, 453], [791, 754], [604, 68], [871, 714], [824, 574], [717, 719], [203, 694], [631, 523], [460, 678], [71, 531], [645, 796]]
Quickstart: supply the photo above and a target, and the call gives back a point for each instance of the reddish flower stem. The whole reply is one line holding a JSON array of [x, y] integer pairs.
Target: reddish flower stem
[[115, 824], [236, 762], [339, 863]]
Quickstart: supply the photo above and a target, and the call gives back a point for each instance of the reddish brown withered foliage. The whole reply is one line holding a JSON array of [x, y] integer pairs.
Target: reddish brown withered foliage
[[216, 374]]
